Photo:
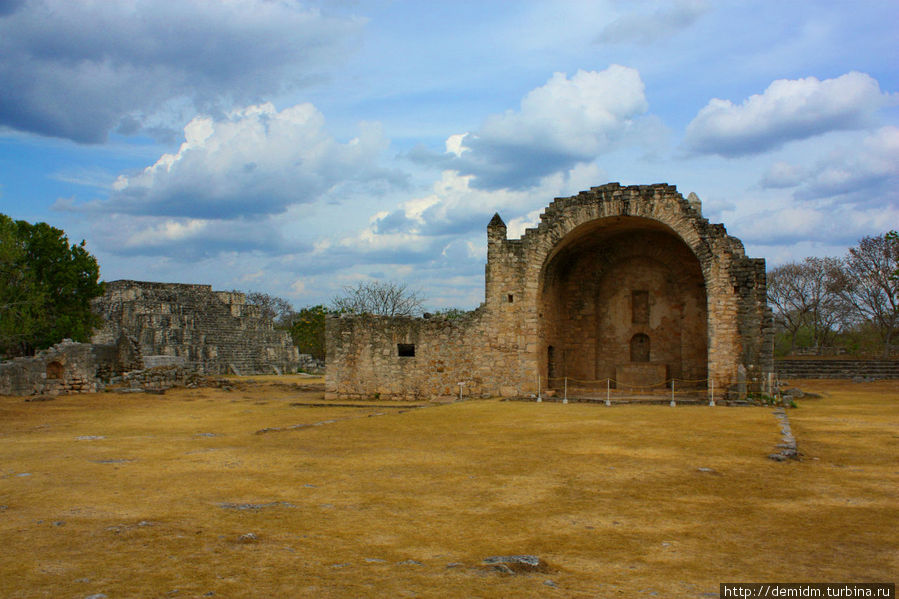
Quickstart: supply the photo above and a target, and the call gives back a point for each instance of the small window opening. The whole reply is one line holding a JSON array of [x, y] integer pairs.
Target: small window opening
[[511, 298], [405, 350]]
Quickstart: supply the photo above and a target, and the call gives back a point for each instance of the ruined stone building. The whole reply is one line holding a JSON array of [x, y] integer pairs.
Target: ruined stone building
[[629, 284], [209, 332], [157, 334], [66, 367]]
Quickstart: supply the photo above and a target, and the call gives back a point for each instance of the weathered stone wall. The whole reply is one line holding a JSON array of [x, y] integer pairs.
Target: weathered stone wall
[[70, 367], [311, 365], [565, 293], [67, 367], [364, 358], [605, 297], [158, 378], [210, 332]]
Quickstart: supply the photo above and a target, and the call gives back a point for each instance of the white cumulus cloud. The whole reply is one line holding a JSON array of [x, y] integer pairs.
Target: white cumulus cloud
[[563, 123], [80, 70], [255, 161], [577, 116], [789, 109]]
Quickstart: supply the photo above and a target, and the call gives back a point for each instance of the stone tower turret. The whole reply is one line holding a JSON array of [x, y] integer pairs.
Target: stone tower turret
[[496, 230]]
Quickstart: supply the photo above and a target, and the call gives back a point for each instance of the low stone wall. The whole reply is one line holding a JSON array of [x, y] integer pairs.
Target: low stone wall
[[158, 378], [416, 358], [820, 351], [837, 369], [70, 367], [311, 365], [67, 367]]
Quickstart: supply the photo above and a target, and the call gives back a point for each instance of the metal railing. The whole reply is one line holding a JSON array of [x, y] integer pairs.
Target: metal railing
[[674, 386]]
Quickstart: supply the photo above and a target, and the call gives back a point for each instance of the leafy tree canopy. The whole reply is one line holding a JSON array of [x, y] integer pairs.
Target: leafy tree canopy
[[46, 286], [308, 331]]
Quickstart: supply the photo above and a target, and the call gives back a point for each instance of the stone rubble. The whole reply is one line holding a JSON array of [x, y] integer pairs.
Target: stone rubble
[[787, 446]]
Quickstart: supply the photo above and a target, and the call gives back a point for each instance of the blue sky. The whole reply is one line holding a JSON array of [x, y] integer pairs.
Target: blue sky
[[297, 148]]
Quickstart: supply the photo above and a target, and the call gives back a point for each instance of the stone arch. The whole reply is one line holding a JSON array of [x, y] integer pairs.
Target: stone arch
[[612, 206], [640, 348], [738, 320], [689, 269], [616, 279], [55, 370]]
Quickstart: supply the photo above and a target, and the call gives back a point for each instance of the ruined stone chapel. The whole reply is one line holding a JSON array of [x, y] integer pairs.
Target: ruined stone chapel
[[625, 284]]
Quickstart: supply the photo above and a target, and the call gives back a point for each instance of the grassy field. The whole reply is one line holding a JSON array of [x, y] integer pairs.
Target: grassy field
[[181, 495]]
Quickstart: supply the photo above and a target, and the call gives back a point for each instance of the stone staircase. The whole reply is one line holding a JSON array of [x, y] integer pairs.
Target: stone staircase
[[210, 332], [837, 369]]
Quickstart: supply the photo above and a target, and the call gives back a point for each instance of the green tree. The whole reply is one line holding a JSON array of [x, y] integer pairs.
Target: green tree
[[47, 285], [308, 331], [21, 301]]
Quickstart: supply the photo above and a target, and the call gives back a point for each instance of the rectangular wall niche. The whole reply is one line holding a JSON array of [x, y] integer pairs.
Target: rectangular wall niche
[[405, 350], [640, 307]]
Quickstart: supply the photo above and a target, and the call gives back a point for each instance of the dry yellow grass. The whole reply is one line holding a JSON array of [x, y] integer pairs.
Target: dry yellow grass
[[133, 496]]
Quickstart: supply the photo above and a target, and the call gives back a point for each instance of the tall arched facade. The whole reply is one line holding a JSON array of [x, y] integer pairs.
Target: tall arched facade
[[623, 291], [611, 277]]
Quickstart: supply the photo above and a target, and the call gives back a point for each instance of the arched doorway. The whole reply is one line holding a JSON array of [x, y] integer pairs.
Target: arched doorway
[[640, 348], [55, 370], [624, 290]]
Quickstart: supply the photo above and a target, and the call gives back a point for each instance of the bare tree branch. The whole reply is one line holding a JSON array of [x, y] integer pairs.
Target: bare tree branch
[[807, 295], [870, 284], [379, 299]]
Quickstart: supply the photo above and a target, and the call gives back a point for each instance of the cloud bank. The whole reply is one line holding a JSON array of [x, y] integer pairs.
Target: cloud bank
[[236, 182], [788, 110], [865, 173], [255, 161], [80, 70]]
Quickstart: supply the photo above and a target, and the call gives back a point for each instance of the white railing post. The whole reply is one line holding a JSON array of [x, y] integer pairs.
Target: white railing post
[[672, 394], [539, 396], [711, 392], [608, 386], [565, 398]]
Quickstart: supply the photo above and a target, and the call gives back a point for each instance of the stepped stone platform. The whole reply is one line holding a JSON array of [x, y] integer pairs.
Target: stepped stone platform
[[208, 332], [836, 369]]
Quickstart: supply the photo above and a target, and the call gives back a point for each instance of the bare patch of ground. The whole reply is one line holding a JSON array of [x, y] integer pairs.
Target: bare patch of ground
[[176, 495]]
